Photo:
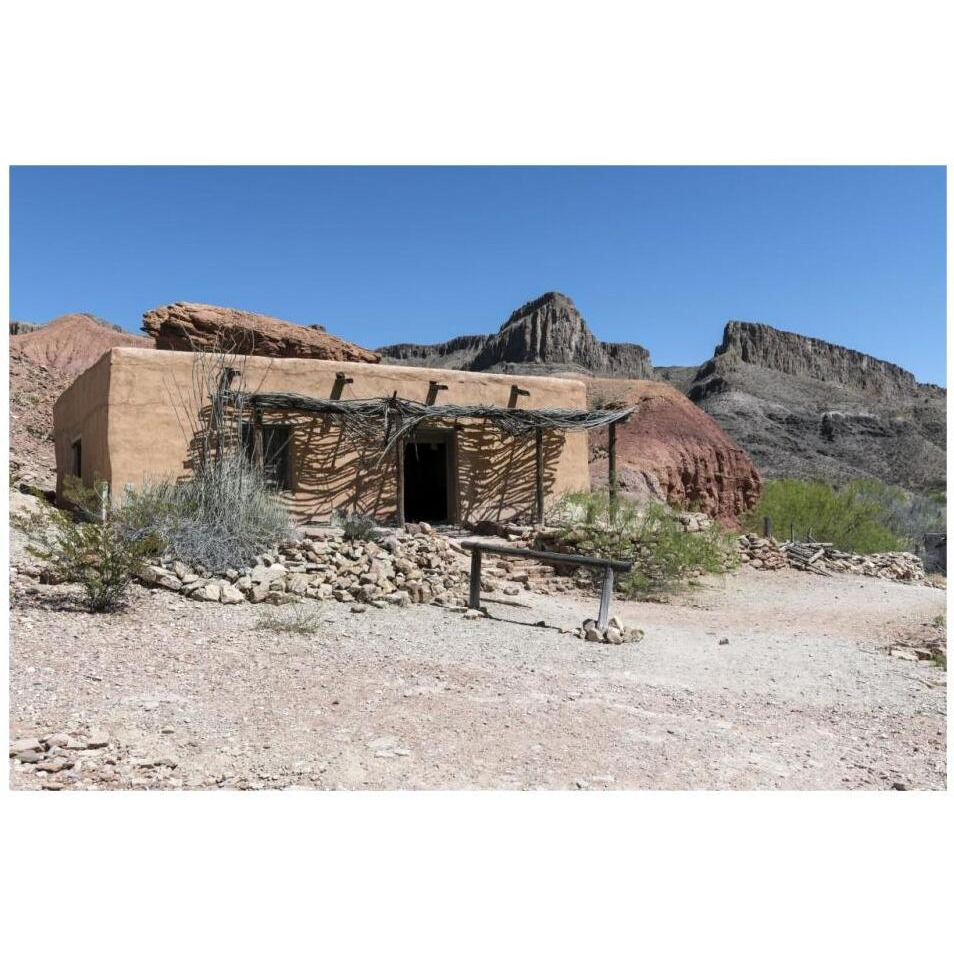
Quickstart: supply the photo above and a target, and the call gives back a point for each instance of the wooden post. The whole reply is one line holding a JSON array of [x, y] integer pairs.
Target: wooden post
[[258, 446], [538, 438], [793, 533], [605, 598], [475, 559], [613, 480], [766, 526], [399, 479]]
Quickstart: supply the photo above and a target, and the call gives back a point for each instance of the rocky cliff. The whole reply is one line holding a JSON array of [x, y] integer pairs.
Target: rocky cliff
[[185, 326], [671, 450], [806, 357], [810, 409], [543, 336]]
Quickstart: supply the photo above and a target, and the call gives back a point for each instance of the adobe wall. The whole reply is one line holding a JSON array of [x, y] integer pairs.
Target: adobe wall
[[81, 411], [150, 403]]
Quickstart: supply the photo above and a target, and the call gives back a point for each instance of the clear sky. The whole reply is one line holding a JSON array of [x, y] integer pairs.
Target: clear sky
[[658, 256]]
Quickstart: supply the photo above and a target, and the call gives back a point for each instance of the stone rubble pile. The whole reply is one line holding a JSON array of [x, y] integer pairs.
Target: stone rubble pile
[[61, 759], [397, 568], [614, 632], [767, 553]]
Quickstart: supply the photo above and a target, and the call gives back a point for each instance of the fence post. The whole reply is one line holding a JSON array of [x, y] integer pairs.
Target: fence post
[[605, 598], [767, 526], [475, 560]]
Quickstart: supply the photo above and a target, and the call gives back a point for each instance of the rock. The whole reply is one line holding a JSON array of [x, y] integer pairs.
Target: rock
[[207, 592], [512, 590], [19, 746], [97, 739], [724, 641], [472, 614], [904, 652], [278, 598], [258, 593], [185, 326], [400, 598], [296, 583], [613, 635], [60, 740], [359, 608], [592, 635], [268, 574], [54, 765], [231, 594], [30, 756]]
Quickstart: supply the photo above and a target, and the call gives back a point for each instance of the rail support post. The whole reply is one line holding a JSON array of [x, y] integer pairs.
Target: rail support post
[[475, 560], [605, 597]]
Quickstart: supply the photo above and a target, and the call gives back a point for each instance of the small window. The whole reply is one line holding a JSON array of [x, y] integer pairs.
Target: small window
[[276, 439], [76, 458]]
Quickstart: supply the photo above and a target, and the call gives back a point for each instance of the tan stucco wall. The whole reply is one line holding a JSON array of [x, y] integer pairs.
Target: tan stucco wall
[[150, 399], [81, 412]]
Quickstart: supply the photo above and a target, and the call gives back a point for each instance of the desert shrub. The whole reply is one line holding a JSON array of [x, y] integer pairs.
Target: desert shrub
[[298, 618], [355, 526], [848, 517], [665, 556], [906, 514], [222, 517], [88, 545]]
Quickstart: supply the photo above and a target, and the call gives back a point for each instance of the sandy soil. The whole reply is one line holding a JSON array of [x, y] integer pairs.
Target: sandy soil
[[802, 696]]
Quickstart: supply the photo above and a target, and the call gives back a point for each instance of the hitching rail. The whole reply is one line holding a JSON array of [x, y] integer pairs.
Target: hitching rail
[[545, 556]]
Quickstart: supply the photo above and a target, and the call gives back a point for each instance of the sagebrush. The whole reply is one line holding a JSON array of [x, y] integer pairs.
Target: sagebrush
[[224, 516]]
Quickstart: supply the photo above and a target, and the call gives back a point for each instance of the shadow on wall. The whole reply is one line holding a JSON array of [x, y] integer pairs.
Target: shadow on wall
[[330, 467]]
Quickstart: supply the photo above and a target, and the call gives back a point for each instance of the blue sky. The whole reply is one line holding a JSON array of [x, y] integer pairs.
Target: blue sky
[[661, 256]]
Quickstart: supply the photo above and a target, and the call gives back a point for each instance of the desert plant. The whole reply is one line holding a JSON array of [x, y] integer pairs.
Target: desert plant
[[846, 517], [355, 526], [224, 516], [88, 546], [297, 618], [664, 555], [906, 514]]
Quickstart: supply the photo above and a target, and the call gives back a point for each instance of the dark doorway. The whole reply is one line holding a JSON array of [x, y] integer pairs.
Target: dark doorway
[[426, 482]]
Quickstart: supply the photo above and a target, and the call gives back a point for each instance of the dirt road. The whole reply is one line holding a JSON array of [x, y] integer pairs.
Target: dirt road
[[802, 696]]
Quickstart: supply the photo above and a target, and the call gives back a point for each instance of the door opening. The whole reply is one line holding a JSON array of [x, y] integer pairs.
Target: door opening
[[427, 481]]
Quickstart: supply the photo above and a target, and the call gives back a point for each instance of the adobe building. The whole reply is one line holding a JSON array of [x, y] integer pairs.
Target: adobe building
[[504, 445]]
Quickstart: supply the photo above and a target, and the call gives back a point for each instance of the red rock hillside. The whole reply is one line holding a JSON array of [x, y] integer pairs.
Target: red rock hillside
[[72, 343], [672, 450], [185, 327]]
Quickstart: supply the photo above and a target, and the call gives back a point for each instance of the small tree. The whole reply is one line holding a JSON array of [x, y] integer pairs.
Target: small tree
[[88, 546]]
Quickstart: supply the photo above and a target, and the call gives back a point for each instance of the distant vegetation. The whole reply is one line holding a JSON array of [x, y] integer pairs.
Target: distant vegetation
[[864, 516], [665, 556]]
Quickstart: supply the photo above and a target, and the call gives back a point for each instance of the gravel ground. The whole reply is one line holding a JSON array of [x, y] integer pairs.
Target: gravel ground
[[802, 696]]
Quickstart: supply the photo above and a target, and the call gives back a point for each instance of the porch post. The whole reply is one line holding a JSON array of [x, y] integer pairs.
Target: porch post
[[538, 438], [399, 479], [613, 480]]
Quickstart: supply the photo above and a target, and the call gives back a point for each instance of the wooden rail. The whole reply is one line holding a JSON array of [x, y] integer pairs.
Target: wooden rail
[[545, 556]]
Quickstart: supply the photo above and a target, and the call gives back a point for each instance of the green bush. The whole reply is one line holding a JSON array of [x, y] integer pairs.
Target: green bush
[[224, 516], [664, 555], [88, 546], [851, 518]]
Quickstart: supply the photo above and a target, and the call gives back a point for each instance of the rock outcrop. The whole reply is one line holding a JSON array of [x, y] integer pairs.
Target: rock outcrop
[[22, 327], [544, 336], [184, 326], [672, 451], [72, 343], [809, 409]]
